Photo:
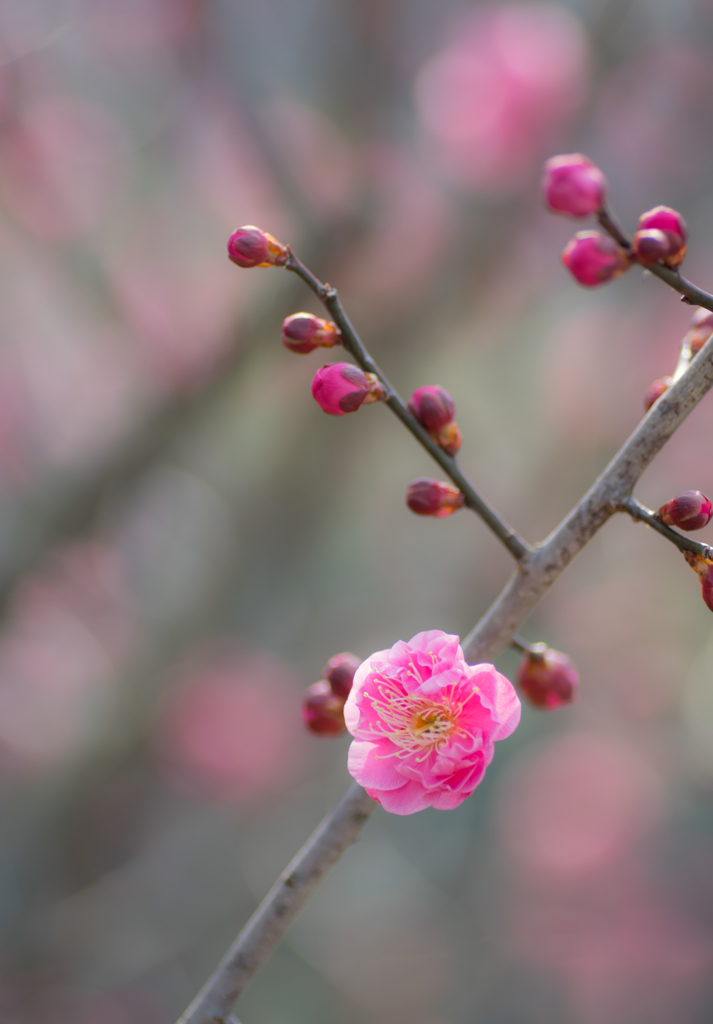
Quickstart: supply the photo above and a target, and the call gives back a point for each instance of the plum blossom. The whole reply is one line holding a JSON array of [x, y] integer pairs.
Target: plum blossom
[[424, 723]]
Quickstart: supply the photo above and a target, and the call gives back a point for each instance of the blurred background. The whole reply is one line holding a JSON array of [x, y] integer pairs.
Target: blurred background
[[185, 538]]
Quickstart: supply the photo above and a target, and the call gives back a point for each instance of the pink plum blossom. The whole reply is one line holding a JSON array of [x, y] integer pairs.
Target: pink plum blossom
[[424, 723]]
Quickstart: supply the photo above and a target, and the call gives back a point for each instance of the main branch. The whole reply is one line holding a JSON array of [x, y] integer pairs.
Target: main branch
[[288, 895]]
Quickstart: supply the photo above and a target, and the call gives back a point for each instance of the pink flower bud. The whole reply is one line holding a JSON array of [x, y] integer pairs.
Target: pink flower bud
[[322, 710], [303, 333], [339, 388], [432, 406], [672, 224], [433, 498], [547, 678], [251, 247], [339, 673], [688, 511], [593, 258], [573, 185], [658, 388]]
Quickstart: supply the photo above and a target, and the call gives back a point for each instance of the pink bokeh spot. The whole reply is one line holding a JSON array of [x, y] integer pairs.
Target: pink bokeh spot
[[230, 730], [62, 167], [424, 723], [501, 90]]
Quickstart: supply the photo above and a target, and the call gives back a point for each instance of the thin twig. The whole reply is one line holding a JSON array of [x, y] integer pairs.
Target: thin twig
[[689, 292], [351, 341], [518, 644], [640, 512]]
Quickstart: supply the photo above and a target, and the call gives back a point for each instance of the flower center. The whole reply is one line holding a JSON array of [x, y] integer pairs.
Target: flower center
[[414, 723], [432, 723]]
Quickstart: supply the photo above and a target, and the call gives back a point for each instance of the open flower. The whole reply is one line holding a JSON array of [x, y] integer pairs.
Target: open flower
[[424, 723]]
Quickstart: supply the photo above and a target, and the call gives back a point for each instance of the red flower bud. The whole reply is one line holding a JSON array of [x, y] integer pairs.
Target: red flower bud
[[658, 388], [573, 185], [339, 388], [593, 258], [339, 673], [672, 224], [433, 498], [704, 568], [251, 247], [688, 511], [547, 678], [322, 710], [651, 246], [432, 406], [303, 333], [703, 318], [434, 409], [700, 330]]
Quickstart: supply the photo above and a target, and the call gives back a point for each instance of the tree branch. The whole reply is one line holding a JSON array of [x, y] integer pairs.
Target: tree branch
[[288, 895], [485, 642], [351, 341]]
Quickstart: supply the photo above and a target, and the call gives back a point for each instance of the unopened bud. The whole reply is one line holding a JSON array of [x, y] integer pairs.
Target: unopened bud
[[252, 247], [303, 332], [573, 185], [339, 673], [593, 258], [322, 710], [704, 568], [672, 224], [658, 388], [688, 511], [651, 246], [339, 388], [432, 406], [548, 678], [700, 330], [428, 497]]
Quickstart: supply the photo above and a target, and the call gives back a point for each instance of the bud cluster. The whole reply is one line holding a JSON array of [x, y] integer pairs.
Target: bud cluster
[[323, 702], [434, 409], [660, 237], [574, 186], [547, 678]]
